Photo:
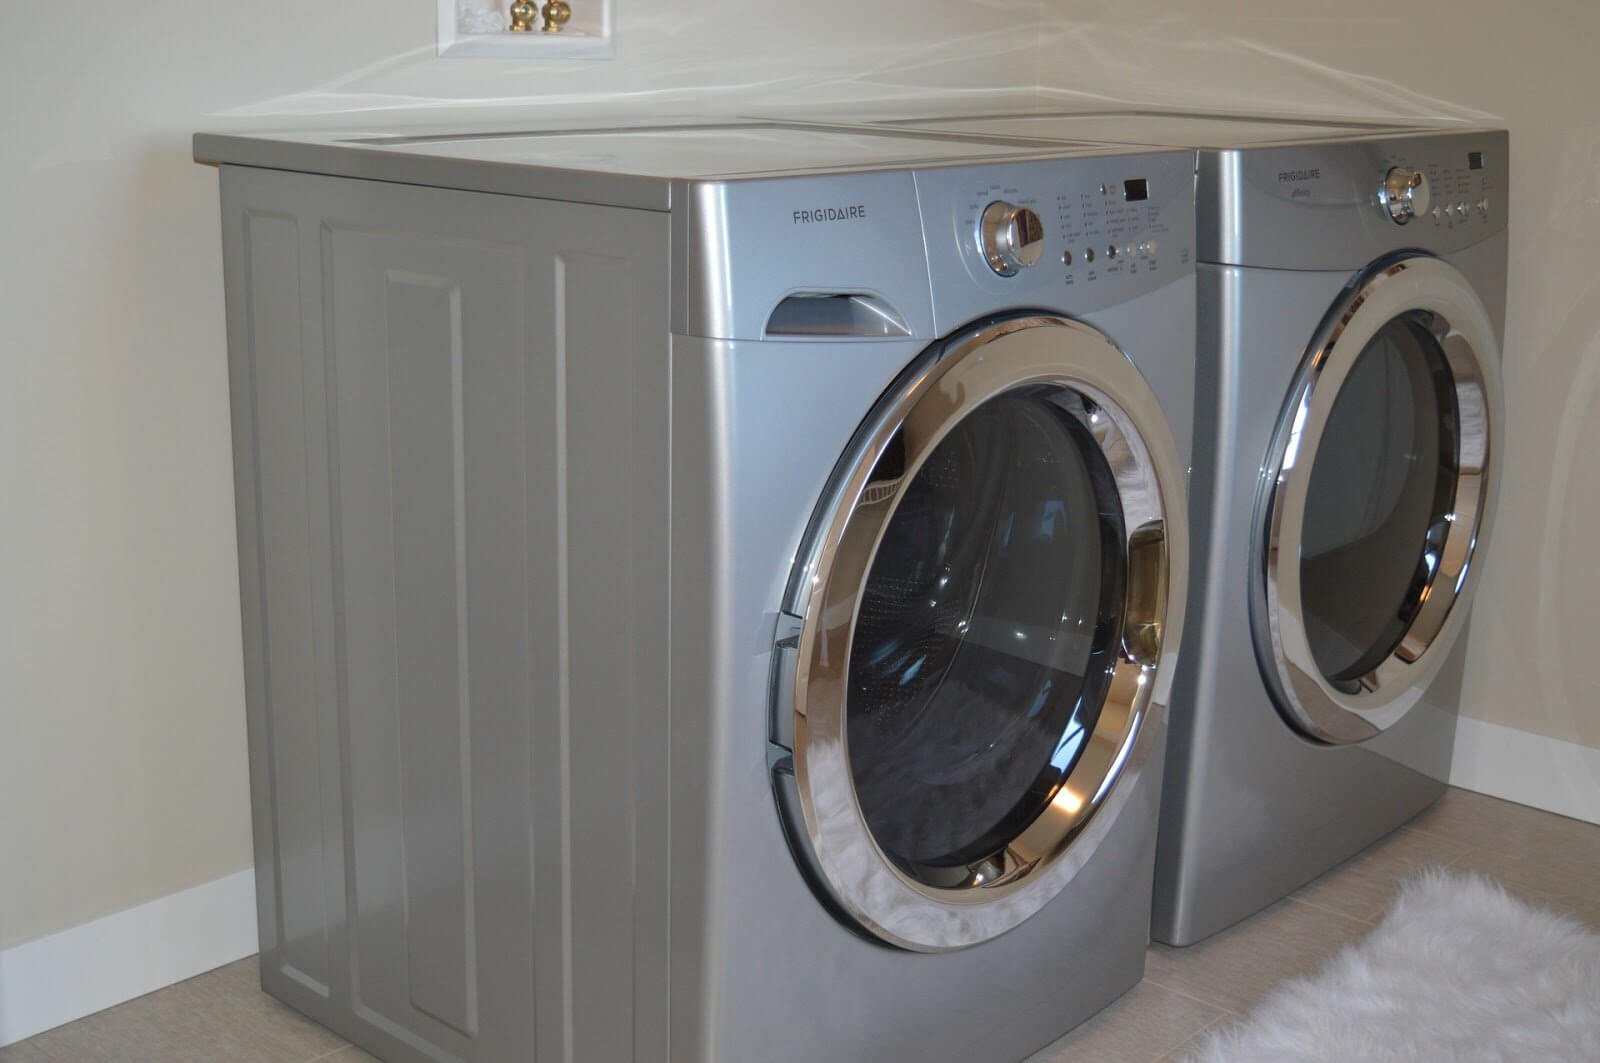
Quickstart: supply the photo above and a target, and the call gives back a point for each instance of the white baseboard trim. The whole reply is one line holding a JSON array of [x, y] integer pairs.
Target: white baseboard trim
[[1530, 769], [88, 968], [85, 969]]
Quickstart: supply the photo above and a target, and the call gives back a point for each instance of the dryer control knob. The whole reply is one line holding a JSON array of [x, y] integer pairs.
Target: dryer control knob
[[1404, 194], [1010, 237]]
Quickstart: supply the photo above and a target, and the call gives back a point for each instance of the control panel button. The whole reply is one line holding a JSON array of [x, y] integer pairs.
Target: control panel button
[[1010, 237], [1088, 254], [1404, 194], [1111, 250], [1066, 258]]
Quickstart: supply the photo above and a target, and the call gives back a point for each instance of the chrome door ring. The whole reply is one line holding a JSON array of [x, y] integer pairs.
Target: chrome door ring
[[1444, 303], [1008, 886]]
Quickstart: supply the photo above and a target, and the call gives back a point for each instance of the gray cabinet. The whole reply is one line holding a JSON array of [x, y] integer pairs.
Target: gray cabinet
[[452, 862]]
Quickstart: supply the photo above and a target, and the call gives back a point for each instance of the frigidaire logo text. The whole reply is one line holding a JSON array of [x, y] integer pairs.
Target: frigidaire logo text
[[1299, 175], [854, 212]]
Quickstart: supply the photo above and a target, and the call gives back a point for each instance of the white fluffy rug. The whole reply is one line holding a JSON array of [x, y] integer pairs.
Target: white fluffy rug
[[1457, 970]]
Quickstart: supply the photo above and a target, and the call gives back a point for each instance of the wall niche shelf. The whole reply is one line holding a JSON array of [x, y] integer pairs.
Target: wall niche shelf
[[477, 29]]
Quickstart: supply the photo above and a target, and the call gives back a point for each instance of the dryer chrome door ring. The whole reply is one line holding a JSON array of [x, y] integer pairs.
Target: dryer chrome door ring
[[1442, 301], [1010, 884]]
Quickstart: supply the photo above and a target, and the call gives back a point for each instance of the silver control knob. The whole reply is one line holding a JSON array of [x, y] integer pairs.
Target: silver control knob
[[1011, 237], [1404, 194]]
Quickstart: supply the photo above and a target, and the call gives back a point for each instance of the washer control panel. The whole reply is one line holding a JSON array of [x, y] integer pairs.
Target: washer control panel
[[1011, 237], [1078, 233], [1111, 229]]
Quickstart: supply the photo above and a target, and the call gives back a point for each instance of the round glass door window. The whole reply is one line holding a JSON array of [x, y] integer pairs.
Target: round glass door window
[[987, 632], [1379, 502], [1376, 506]]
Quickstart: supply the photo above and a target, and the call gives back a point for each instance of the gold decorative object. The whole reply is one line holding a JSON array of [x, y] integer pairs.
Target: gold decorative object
[[556, 13], [523, 12]]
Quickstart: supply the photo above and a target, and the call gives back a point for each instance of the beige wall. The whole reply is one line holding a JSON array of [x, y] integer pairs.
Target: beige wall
[[1530, 67], [122, 766], [121, 725]]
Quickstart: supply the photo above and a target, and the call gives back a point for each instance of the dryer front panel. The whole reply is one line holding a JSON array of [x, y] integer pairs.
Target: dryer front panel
[[1374, 509], [967, 654]]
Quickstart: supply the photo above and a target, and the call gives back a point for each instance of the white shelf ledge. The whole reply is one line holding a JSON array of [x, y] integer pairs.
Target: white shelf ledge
[[476, 29]]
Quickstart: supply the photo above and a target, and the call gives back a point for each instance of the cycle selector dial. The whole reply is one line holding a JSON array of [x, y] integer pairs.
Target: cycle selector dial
[[1404, 194], [1011, 237]]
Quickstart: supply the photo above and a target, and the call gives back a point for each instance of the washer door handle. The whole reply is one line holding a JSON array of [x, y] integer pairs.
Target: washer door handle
[[1144, 603]]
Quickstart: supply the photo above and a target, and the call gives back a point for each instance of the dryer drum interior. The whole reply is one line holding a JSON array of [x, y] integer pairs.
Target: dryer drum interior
[[1376, 500], [978, 615]]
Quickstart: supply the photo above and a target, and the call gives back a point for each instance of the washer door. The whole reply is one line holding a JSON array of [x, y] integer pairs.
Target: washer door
[[977, 621], [1375, 501]]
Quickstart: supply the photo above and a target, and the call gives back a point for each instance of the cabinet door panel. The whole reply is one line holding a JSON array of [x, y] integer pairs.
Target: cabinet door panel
[[426, 334], [456, 558], [280, 467]]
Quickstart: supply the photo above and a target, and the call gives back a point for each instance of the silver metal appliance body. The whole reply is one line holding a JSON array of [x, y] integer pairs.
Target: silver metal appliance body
[[780, 978], [1255, 807], [613, 586]]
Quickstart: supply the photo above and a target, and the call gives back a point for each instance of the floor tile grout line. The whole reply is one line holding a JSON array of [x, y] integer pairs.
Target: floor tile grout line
[[1226, 1011], [1329, 911], [327, 1055], [1363, 920], [1192, 1039], [1516, 810], [1505, 881]]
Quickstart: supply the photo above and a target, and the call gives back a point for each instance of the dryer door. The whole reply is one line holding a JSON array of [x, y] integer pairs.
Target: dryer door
[[1375, 500], [973, 652]]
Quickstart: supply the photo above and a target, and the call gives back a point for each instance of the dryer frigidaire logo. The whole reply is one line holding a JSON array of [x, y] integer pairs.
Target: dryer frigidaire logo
[[1313, 174], [853, 212]]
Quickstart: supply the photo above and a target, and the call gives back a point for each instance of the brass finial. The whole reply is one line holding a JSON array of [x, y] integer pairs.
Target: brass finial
[[523, 12], [556, 13]]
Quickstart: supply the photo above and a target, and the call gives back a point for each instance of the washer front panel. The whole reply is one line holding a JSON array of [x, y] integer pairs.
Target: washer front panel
[[1372, 686], [885, 878]]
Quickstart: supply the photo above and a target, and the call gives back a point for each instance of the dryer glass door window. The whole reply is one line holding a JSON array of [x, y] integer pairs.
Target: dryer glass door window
[[987, 632], [1379, 502], [1376, 507], [965, 672]]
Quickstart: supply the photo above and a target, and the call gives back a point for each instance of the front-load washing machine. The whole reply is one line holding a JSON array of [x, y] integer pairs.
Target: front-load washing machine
[[1352, 304], [710, 593]]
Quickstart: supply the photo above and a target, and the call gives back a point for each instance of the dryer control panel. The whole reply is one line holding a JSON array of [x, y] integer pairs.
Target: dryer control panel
[[1459, 180], [1340, 205], [1079, 234]]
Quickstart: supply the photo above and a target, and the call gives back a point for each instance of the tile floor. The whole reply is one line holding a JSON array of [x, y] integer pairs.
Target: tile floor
[[1546, 859]]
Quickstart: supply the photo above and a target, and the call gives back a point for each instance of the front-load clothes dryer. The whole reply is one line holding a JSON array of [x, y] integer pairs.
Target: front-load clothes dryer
[[1352, 310], [710, 593], [1352, 304]]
